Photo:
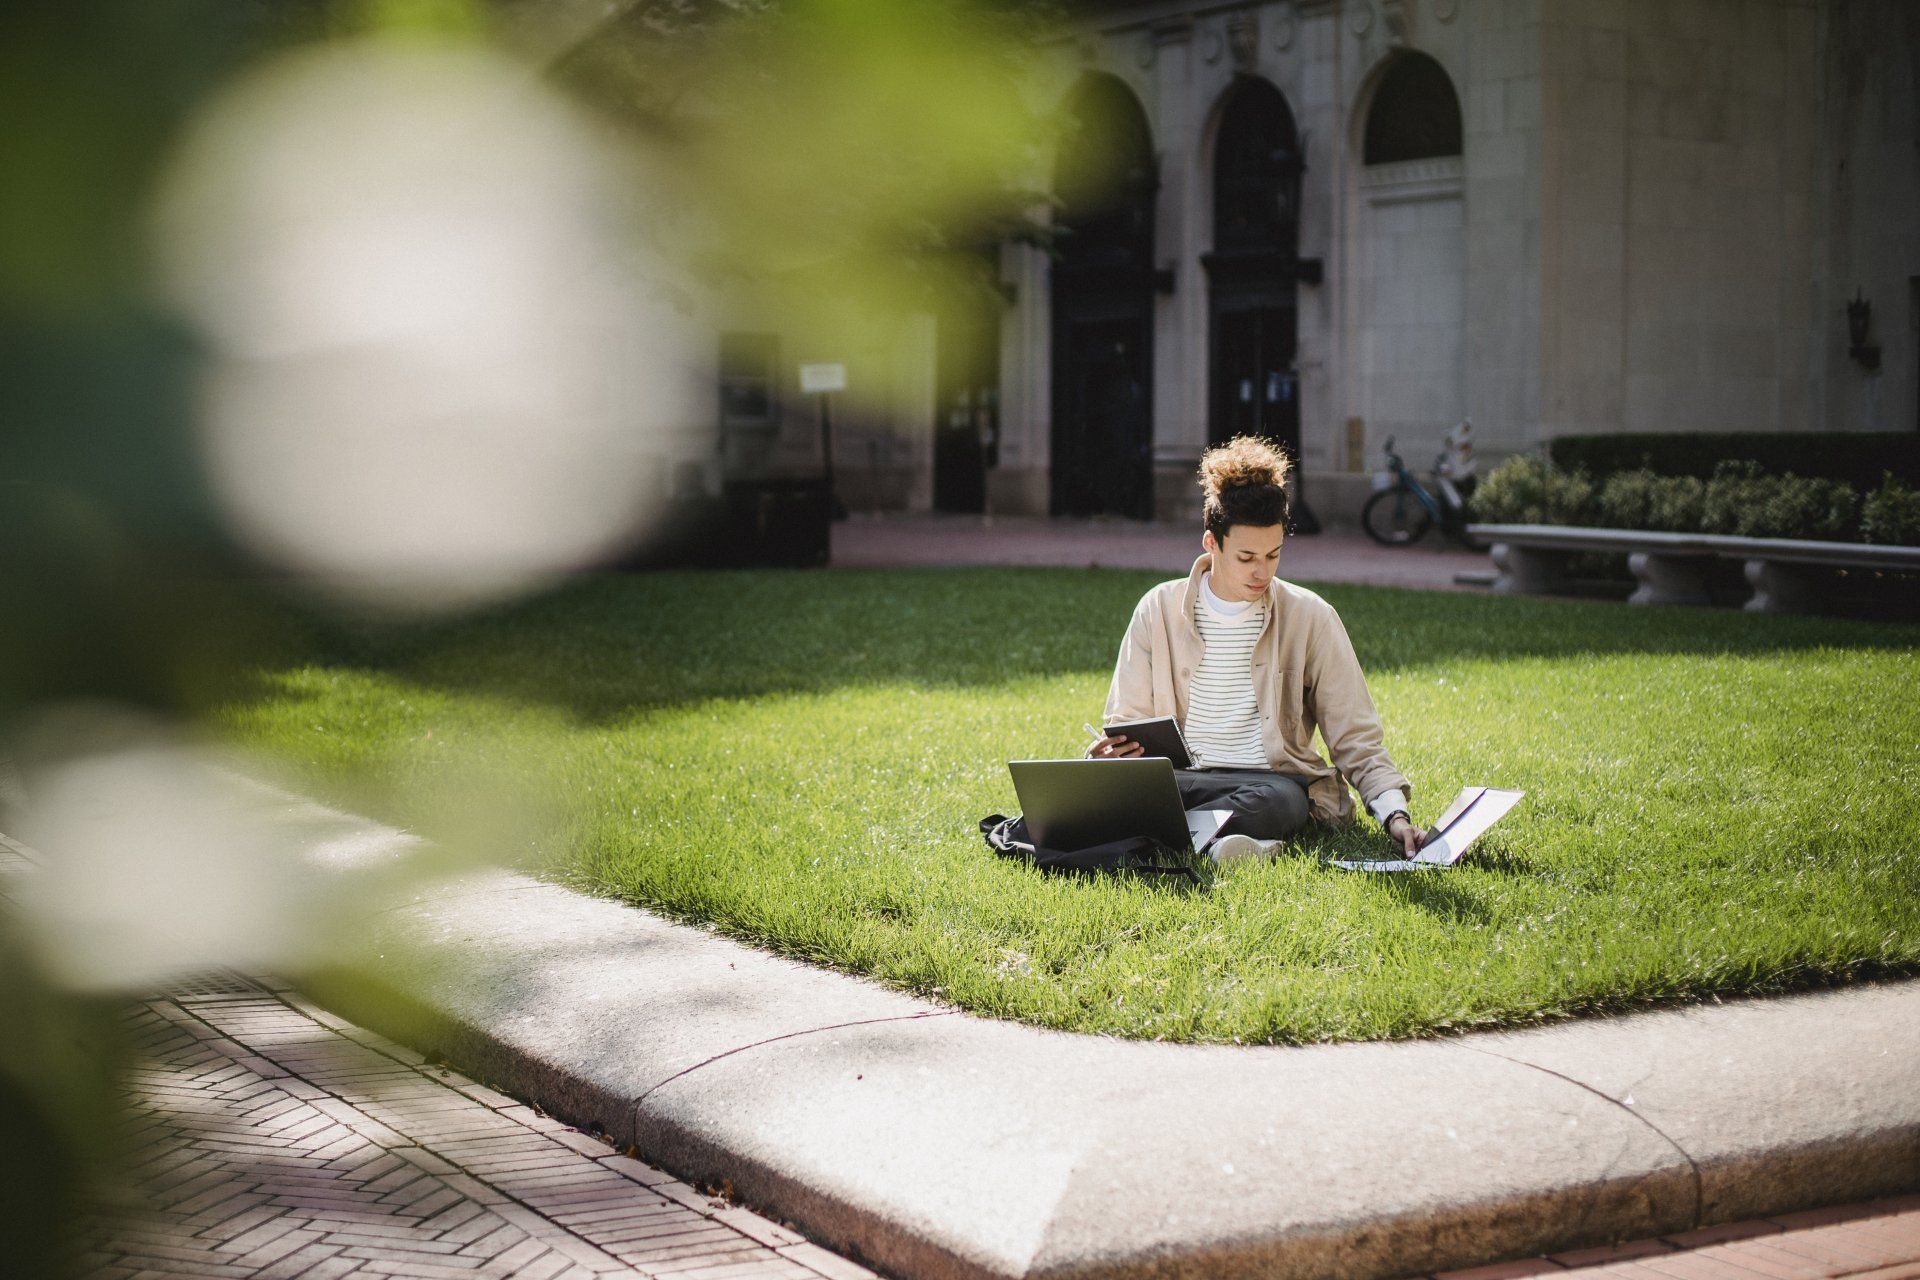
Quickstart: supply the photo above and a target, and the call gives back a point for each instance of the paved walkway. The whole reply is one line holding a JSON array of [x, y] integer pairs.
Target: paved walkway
[[1875, 1241], [276, 1141], [902, 540], [281, 1143]]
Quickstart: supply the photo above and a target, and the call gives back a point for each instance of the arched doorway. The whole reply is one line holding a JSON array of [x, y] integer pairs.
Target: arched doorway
[[966, 409], [1253, 273], [1102, 286]]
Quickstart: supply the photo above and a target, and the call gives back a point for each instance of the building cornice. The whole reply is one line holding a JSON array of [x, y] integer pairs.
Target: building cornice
[[1124, 16]]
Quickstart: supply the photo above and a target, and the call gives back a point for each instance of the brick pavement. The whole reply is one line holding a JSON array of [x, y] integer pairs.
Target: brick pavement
[[277, 1142], [1879, 1240], [898, 541]]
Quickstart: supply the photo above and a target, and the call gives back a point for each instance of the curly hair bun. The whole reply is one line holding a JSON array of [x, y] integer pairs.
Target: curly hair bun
[[1241, 463]]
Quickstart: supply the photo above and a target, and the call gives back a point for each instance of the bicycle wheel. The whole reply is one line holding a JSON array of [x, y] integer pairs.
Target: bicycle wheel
[[1394, 518]]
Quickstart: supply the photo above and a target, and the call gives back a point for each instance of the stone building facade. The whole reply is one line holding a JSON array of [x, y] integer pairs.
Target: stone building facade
[[1338, 221]]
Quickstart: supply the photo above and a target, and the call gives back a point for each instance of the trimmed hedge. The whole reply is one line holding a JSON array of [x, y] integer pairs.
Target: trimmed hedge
[[1643, 500], [1857, 459], [1740, 499], [1891, 514], [1744, 501], [1530, 490]]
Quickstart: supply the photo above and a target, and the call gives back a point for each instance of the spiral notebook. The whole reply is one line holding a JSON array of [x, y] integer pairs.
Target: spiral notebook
[[1469, 817]]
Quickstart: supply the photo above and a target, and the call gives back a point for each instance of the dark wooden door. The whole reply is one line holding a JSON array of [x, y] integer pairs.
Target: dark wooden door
[[1256, 390], [966, 435], [1254, 269], [1103, 286], [960, 443], [1103, 425]]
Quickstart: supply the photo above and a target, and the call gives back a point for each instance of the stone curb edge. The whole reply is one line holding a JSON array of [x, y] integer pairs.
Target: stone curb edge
[[1826, 1153]]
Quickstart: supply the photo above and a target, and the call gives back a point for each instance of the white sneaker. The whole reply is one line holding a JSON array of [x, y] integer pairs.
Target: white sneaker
[[1236, 847]]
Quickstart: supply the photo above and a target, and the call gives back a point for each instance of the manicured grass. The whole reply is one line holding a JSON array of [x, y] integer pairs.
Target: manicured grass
[[1717, 802]]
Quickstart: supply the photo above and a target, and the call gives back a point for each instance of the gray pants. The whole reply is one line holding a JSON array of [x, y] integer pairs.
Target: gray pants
[[1266, 805]]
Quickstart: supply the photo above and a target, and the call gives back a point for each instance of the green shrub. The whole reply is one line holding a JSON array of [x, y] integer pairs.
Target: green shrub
[[1642, 500], [1858, 458], [1743, 500], [1836, 511], [1531, 490], [1891, 514]]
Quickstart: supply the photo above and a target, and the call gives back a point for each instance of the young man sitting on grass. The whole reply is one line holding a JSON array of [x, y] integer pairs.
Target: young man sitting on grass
[[1249, 666]]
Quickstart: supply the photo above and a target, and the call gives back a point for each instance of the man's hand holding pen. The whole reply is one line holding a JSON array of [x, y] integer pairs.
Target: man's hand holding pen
[[1110, 746]]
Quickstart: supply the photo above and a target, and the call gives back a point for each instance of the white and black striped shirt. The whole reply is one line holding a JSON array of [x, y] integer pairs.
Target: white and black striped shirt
[[1223, 720]]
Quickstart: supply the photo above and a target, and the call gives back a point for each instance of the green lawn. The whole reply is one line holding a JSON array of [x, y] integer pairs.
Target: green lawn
[[1717, 802]]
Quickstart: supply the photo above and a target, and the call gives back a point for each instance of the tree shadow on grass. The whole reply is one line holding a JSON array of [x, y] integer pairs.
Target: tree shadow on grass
[[1434, 893], [603, 648], [1178, 877], [1500, 858], [1430, 891], [1433, 889]]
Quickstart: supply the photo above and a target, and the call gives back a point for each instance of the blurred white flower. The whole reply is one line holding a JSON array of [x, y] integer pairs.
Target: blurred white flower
[[154, 863], [441, 369]]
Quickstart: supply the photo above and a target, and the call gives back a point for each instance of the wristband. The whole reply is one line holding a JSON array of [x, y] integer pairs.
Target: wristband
[[1386, 824]]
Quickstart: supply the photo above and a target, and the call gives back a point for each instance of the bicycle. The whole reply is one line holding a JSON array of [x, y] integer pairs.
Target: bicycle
[[1402, 510]]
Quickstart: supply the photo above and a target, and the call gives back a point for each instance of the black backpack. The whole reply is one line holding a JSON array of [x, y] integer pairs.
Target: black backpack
[[1008, 837]]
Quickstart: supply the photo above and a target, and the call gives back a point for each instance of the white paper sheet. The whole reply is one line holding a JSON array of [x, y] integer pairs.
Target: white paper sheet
[[1204, 824], [1466, 797], [1468, 818], [1391, 864]]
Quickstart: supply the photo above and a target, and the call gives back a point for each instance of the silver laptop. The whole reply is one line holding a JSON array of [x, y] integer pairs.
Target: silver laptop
[[1074, 804]]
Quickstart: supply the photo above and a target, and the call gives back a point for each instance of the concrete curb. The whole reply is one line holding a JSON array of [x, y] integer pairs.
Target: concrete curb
[[929, 1142]]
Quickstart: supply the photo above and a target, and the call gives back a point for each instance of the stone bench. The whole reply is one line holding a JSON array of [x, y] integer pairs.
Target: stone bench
[[1676, 568]]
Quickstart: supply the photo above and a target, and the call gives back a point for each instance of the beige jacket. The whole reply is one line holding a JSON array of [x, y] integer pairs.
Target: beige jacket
[[1305, 676]]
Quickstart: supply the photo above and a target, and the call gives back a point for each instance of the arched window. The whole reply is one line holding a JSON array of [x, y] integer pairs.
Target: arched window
[[1415, 113], [1104, 176], [1256, 170]]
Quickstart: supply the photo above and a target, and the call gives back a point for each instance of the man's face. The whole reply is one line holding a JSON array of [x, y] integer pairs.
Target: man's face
[[1245, 561]]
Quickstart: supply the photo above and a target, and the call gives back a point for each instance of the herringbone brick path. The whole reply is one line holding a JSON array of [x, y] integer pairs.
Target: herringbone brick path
[[1879, 1240], [278, 1142]]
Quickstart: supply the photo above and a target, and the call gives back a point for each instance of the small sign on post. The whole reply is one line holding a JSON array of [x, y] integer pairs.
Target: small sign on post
[[822, 380]]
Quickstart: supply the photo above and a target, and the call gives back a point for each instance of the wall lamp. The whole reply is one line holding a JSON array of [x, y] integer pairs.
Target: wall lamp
[[1859, 318]]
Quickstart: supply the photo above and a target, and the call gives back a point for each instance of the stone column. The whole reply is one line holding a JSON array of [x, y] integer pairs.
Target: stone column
[[1501, 104], [1018, 485], [1179, 318]]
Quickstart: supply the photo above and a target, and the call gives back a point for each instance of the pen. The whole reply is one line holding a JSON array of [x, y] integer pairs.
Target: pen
[[1097, 735]]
